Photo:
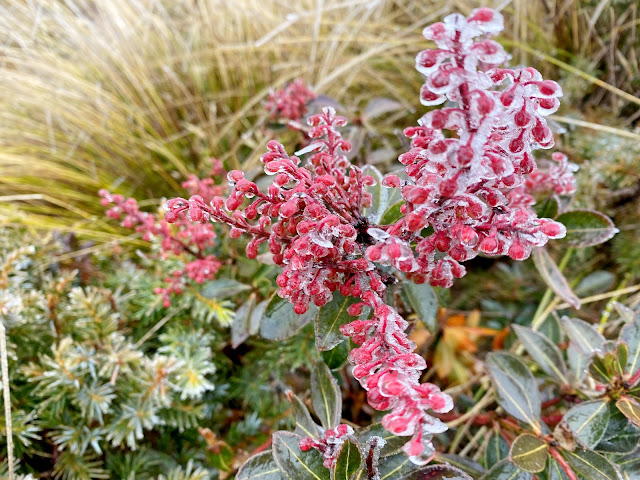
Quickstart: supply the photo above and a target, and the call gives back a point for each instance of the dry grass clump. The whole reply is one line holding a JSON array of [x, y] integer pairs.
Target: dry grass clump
[[135, 94]]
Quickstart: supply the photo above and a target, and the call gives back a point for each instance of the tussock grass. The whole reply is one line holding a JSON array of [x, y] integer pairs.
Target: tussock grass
[[135, 94]]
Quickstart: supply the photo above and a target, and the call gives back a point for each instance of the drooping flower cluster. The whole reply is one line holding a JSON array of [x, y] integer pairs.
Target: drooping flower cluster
[[466, 185], [328, 444], [185, 237], [387, 368], [467, 158], [290, 102]]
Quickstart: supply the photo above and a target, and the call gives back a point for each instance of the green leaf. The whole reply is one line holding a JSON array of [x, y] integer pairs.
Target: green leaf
[[330, 318], [392, 214], [240, 325], [583, 335], [586, 228], [505, 470], [223, 288], [545, 353], [529, 453], [497, 449], [260, 467], [595, 282], [554, 471], [474, 469], [437, 472], [629, 465], [600, 369], [379, 195], [548, 208], [630, 334], [621, 435], [553, 277], [622, 356], [325, 396], [516, 388], [337, 356], [588, 422], [305, 426], [280, 321], [348, 462], [393, 443], [295, 464], [592, 466], [577, 362], [379, 106], [396, 466], [630, 408], [422, 299]]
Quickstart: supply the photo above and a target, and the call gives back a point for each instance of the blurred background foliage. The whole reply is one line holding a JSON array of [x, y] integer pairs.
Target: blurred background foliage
[[134, 95]]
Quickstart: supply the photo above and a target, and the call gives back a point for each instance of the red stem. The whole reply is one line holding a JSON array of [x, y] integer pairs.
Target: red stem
[[563, 464]]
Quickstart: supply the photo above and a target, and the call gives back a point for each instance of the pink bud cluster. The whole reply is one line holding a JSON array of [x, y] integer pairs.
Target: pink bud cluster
[[309, 218], [387, 368], [469, 189], [328, 444], [185, 237], [467, 158], [290, 102]]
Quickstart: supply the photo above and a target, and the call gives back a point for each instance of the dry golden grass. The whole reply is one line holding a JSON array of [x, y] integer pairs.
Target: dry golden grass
[[135, 94]]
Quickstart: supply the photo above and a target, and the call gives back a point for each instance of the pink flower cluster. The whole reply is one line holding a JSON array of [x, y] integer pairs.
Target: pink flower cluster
[[468, 189], [387, 368], [328, 444], [310, 217], [185, 237], [290, 102], [466, 159]]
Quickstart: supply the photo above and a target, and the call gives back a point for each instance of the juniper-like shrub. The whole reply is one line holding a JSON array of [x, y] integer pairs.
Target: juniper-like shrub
[[468, 188]]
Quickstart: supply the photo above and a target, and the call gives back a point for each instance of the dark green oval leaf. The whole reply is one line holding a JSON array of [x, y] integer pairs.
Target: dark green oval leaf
[[305, 426], [548, 208], [295, 464], [396, 466], [223, 288], [422, 299], [348, 462], [630, 334], [588, 421], [379, 195], [516, 388], [467, 465], [545, 353], [330, 318], [586, 228], [621, 435], [392, 445], [325, 396], [553, 277], [592, 466], [437, 472], [497, 449], [529, 453], [337, 356], [505, 470], [260, 467], [280, 321], [583, 335]]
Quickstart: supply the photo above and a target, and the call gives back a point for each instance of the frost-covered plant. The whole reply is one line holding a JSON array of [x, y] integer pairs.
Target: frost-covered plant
[[465, 193], [184, 238], [289, 103]]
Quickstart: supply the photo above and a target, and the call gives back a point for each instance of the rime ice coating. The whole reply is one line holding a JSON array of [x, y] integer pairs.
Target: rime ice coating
[[471, 176], [469, 161]]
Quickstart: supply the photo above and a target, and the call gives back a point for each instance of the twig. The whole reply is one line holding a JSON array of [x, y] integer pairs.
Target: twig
[[4, 364]]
